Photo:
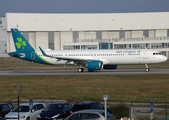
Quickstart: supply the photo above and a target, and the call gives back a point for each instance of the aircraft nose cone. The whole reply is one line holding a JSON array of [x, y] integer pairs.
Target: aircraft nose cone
[[164, 58]]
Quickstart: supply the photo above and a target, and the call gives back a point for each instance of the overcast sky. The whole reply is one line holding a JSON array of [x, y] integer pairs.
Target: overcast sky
[[82, 6]]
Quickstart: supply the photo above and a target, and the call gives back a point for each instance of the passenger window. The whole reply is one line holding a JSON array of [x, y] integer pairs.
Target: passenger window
[[101, 106], [10, 106], [5, 108], [75, 117], [95, 106], [40, 106], [35, 107], [65, 108], [89, 116], [70, 107]]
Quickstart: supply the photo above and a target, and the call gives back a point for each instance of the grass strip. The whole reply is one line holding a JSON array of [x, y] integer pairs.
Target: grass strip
[[120, 88]]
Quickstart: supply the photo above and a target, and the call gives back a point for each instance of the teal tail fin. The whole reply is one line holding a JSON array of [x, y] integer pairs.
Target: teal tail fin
[[21, 44]]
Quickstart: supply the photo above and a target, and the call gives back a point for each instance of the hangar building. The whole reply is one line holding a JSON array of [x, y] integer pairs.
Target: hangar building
[[88, 31]]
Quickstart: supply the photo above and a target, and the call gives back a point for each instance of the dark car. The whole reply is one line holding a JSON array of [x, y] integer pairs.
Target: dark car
[[1, 118], [5, 108], [55, 111], [88, 105]]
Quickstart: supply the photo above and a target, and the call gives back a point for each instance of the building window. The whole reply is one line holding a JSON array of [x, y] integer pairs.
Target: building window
[[156, 45], [119, 46], [141, 45], [105, 45]]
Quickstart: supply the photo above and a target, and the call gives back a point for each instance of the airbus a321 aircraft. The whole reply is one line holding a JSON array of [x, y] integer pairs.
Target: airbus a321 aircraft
[[91, 59]]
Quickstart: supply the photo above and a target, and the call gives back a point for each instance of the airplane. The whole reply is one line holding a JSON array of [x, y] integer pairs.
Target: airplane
[[91, 59]]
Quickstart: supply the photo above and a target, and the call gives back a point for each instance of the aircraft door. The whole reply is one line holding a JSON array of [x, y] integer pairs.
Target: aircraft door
[[145, 55], [33, 55]]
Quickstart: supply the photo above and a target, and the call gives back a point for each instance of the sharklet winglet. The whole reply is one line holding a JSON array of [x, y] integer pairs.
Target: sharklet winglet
[[43, 51]]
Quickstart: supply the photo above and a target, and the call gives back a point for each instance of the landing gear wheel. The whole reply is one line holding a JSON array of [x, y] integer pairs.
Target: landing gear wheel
[[147, 69], [80, 70], [90, 70]]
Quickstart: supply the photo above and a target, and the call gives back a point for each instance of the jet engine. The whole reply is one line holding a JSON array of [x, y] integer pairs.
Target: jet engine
[[94, 65]]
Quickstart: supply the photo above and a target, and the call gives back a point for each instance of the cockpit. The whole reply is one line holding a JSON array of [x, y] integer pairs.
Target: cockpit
[[157, 53]]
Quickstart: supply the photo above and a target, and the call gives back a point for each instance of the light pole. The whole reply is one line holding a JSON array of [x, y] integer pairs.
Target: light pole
[[105, 98], [19, 91]]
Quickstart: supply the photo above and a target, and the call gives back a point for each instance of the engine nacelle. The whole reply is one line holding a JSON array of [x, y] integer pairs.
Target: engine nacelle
[[94, 65], [109, 66]]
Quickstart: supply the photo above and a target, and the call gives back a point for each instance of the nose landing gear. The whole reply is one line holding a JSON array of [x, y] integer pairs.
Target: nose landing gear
[[147, 69]]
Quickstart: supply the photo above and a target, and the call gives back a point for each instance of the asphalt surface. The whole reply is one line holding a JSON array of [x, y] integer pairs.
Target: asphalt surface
[[74, 72]]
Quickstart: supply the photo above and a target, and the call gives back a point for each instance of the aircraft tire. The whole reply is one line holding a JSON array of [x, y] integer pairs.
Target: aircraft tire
[[80, 70], [90, 70], [147, 69]]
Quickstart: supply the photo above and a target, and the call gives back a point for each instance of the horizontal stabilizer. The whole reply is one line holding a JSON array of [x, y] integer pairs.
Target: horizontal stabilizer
[[15, 54]]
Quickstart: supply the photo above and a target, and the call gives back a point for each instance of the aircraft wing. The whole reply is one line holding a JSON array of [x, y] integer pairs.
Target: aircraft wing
[[77, 60]]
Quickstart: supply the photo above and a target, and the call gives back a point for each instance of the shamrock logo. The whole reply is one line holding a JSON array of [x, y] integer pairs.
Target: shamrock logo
[[138, 51], [20, 43]]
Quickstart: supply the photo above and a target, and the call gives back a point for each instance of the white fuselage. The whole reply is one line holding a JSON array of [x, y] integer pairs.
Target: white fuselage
[[108, 57]]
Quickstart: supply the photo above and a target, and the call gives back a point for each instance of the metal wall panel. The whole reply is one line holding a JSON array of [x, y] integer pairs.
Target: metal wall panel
[[137, 34], [66, 37], [3, 49], [113, 35], [90, 35], [32, 41], [160, 33], [42, 40], [82, 35], [105, 35], [25, 34], [127, 34], [151, 33], [87, 22], [10, 43]]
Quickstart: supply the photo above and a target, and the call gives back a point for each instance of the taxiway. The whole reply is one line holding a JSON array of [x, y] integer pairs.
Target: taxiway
[[74, 72]]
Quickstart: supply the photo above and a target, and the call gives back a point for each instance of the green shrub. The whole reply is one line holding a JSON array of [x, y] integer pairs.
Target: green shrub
[[119, 110]]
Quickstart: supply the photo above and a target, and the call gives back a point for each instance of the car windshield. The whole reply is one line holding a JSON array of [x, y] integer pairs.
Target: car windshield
[[21, 109], [80, 107], [53, 108], [108, 115]]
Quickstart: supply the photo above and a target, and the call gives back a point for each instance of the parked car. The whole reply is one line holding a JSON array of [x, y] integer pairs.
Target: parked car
[[5, 108], [1, 118], [90, 115], [55, 111], [88, 105], [25, 112]]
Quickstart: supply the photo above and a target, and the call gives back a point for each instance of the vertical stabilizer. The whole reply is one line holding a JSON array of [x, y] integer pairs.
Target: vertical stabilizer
[[21, 44]]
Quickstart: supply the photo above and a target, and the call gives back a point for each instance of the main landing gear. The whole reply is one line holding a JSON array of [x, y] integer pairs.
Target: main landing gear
[[147, 69], [80, 70]]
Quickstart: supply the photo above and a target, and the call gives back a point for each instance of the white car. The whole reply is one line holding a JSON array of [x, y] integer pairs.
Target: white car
[[90, 115], [25, 113]]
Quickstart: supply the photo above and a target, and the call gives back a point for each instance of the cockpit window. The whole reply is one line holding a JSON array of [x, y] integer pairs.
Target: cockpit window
[[156, 53]]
